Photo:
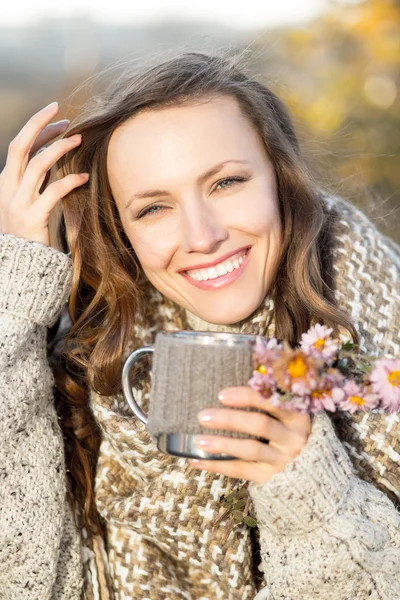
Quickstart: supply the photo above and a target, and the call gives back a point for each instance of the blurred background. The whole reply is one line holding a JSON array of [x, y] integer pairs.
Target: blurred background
[[334, 62]]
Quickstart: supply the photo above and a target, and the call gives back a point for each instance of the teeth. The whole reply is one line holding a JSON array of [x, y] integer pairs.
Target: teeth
[[222, 269]]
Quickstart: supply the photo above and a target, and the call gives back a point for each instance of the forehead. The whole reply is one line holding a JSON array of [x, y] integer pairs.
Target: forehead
[[182, 131]]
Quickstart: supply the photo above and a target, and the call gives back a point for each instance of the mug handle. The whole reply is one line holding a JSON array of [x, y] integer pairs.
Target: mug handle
[[126, 384]]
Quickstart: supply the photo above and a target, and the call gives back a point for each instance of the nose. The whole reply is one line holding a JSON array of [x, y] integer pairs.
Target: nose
[[202, 230]]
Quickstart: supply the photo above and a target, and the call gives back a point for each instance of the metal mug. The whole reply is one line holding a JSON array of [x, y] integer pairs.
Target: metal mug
[[188, 371]]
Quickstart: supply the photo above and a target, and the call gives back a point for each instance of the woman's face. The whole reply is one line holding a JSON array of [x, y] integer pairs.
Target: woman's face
[[197, 197]]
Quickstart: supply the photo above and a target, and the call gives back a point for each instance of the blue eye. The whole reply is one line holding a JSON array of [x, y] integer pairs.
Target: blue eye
[[236, 179], [151, 210]]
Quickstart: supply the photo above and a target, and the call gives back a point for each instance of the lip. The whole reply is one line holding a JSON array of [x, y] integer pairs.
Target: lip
[[214, 262], [222, 280]]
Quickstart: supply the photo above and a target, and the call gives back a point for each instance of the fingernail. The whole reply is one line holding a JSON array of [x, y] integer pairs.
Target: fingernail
[[51, 105], [205, 416], [202, 443], [63, 122], [225, 396]]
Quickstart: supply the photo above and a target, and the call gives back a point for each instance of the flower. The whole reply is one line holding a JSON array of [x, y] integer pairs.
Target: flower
[[262, 381], [290, 402], [385, 380], [318, 343], [266, 350], [326, 399], [303, 379], [357, 397], [296, 372]]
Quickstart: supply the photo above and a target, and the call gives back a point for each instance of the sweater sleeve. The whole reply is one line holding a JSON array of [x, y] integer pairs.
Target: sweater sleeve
[[39, 543], [325, 533]]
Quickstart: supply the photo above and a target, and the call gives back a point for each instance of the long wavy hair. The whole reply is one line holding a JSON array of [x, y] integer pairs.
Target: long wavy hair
[[108, 289]]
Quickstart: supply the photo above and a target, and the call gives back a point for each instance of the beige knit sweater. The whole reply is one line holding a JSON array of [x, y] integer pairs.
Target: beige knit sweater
[[328, 524]]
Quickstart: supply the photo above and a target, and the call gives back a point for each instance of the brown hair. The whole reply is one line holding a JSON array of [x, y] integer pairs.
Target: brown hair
[[107, 288]]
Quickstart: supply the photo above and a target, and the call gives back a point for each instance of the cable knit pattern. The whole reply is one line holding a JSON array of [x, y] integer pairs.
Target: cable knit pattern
[[324, 532], [39, 544], [328, 524]]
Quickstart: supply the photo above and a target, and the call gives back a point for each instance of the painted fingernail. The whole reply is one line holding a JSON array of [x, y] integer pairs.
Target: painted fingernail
[[205, 416], [51, 105], [63, 122]]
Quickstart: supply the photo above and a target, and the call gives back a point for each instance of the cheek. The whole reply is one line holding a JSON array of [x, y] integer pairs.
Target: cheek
[[154, 250], [260, 216]]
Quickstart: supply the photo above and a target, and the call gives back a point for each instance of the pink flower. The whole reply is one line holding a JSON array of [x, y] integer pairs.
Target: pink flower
[[326, 399], [297, 403], [357, 398], [261, 381], [303, 387], [318, 343], [385, 379], [267, 349]]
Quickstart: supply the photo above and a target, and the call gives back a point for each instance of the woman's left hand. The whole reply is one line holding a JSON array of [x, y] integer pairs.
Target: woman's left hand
[[286, 431]]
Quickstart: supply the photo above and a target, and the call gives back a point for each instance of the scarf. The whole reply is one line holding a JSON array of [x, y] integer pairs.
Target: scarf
[[160, 538]]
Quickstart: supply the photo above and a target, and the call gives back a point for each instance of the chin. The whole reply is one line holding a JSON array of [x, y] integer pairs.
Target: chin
[[229, 316]]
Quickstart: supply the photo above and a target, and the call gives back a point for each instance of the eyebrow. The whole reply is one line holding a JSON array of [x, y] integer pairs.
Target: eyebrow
[[213, 171]]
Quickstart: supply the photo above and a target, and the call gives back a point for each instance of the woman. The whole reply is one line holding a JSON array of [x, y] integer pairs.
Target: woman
[[196, 212]]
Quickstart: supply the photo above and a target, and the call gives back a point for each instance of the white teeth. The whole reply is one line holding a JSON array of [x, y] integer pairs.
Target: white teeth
[[222, 269]]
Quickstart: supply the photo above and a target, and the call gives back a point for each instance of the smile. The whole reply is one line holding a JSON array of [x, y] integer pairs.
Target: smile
[[220, 274]]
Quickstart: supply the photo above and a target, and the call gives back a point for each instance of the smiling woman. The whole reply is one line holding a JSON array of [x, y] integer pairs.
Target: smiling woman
[[198, 223], [199, 214]]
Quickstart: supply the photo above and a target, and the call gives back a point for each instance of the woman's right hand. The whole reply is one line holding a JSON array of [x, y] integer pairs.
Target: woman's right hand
[[24, 211]]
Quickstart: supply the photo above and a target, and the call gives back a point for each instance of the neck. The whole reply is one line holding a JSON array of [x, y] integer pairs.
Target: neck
[[258, 323]]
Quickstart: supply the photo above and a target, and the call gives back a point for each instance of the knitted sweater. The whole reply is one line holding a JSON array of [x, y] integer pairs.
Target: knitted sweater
[[328, 524]]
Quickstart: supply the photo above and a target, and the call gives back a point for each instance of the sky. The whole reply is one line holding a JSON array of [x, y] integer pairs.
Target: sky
[[235, 13]]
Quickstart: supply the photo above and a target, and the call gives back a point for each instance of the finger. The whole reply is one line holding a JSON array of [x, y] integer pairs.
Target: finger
[[250, 450], [42, 162], [237, 469], [21, 145], [58, 190], [245, 396], [252, 423], [49, 133]]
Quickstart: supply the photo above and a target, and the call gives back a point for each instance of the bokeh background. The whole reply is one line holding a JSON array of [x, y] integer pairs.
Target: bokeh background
[[334, 62]]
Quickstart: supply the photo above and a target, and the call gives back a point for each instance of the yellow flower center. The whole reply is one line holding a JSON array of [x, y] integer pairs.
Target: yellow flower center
[[297, 367], [319, 344], [320, 393], [394, 378], [357, 400], [261, 369]]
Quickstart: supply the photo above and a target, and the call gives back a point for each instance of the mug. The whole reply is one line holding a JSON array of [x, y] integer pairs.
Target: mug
[[189, 370]]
